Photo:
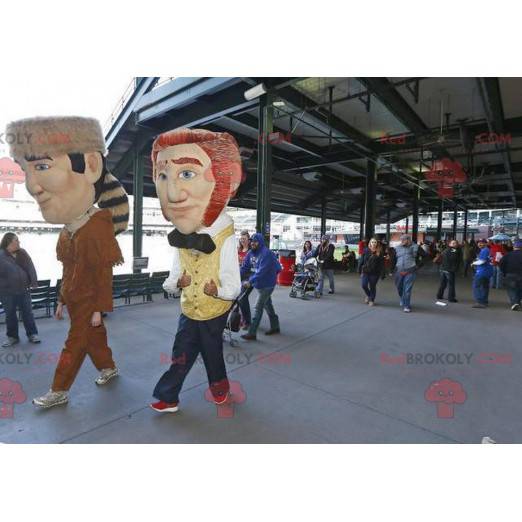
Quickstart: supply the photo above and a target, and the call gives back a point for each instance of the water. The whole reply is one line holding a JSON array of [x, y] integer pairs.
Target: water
[[42, 249]]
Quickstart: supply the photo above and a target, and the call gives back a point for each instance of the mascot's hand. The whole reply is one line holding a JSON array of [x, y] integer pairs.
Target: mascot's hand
[[184, 280], [211, 289], [96, 319], [59, 312]]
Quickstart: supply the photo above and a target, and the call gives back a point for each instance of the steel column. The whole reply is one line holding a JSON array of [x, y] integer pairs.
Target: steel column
[[369, 201], [439, 220], [137, 181], [361, 222], [465, 233], [323, 217], [264, 165], [455, 219], [415, 217], [388, 225]]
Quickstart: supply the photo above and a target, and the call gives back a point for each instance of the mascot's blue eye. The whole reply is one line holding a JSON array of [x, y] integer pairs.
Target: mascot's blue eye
[[42, 166], [162, 176], [187, 174]]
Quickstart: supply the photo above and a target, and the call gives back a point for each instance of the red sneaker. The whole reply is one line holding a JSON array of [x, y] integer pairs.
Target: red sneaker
[[165, 407]]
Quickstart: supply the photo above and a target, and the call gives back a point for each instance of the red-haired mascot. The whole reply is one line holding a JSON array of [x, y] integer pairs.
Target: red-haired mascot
[[196, 172]]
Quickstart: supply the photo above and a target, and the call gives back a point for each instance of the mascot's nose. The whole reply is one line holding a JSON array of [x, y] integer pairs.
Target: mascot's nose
[[175, 194]]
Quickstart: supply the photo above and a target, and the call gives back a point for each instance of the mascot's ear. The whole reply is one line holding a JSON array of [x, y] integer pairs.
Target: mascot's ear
[[93, 166]]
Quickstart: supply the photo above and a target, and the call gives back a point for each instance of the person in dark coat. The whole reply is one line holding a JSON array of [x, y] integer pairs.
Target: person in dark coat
[[371, 268], [325, 257], [511, 268], [17, 276], [451, 260]]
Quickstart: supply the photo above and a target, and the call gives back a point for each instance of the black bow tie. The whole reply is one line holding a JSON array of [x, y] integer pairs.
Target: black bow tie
[[201, 242]]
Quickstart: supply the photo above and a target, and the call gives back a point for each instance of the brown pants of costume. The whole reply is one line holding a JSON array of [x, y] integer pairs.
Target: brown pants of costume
[[83, 339]]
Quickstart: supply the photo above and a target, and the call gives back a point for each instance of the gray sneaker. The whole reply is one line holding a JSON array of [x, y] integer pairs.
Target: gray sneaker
[[34, 339], [51, 399], [106, 375], [10, 341]]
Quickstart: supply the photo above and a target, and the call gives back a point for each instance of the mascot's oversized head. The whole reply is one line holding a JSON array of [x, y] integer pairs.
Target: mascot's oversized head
[[196, 172], [64, 163]]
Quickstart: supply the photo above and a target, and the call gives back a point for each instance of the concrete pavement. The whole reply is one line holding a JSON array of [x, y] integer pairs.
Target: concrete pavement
[[340, 372]]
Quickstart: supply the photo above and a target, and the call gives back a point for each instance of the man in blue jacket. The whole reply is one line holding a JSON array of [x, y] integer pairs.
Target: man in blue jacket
[[483, 274], [263, 264]]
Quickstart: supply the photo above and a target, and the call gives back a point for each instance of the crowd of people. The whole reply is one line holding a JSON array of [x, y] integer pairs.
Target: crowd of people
[[495, 264]]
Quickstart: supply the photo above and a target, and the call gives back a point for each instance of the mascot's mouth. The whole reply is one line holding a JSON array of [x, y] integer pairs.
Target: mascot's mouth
[[181, 210], [43, 204]]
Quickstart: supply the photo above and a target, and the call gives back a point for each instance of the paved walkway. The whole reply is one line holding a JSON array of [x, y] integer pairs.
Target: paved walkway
[[338, 373]]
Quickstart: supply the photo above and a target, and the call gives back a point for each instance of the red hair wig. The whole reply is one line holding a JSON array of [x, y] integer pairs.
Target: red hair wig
[[223, 151]]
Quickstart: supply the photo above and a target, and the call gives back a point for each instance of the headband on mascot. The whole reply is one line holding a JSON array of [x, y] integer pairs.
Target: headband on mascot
[[225, 168]]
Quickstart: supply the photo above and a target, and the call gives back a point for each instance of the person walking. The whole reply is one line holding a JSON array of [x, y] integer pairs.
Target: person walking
[[244, 303], [325, 257], [497, 250], [405, 269], [451, 259], [17, 276], [265, 266], [483, 274], [371, 268], [511, 268]]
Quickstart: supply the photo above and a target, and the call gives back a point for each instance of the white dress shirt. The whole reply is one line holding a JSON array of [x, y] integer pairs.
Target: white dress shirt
[[229, 278]]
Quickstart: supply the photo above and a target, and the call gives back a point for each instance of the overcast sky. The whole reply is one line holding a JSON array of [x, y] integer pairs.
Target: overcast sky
[[89, 95]]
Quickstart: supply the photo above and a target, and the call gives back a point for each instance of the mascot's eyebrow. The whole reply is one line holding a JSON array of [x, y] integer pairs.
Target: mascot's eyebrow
[[183, 161], [36, 158]]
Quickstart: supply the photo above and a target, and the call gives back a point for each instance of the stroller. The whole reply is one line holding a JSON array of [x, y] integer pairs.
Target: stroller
[[234, 321], [306, 279]]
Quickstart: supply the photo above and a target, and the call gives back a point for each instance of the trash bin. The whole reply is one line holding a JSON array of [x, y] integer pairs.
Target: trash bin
[[287, 261]]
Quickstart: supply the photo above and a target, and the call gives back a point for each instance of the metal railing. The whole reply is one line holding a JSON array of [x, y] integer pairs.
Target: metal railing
[[122, 101], [120, 105]]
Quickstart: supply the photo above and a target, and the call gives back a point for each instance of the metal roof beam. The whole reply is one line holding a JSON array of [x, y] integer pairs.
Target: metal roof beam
[[489, 89]]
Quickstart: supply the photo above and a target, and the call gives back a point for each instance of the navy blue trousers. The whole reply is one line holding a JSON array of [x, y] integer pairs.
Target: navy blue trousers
[[193, 338], [23, 302]]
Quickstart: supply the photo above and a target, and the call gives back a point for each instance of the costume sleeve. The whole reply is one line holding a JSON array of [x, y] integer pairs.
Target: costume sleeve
[[171, 283], [59, 257], [108, 254], [229, 276]]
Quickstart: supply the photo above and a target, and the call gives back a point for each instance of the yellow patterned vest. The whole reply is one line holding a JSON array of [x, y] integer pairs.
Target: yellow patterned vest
[[202, 268]]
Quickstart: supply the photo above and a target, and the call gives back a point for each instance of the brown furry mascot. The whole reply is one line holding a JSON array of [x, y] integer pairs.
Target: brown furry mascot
[[63, 159]]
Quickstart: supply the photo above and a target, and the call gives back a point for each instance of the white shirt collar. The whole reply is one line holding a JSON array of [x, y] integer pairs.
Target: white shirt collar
[[222, 222]]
